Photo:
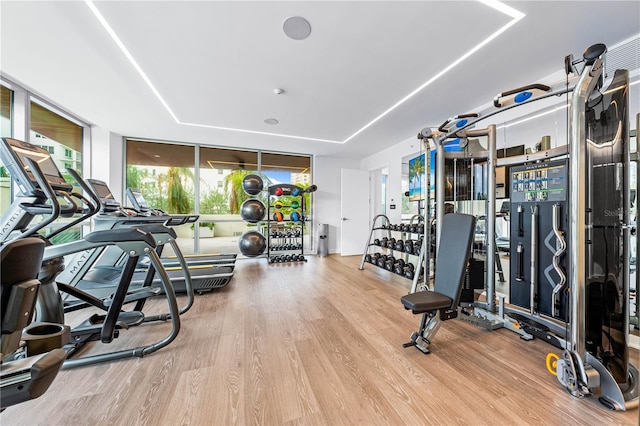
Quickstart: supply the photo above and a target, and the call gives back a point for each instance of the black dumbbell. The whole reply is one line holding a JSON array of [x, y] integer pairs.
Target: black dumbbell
[[409, 270], [381, 260], [388, 265], [376, 242], [399, 245], [398, 268], [409, 246], [391, 243], [374, 258], [417, 246], [384, 242]]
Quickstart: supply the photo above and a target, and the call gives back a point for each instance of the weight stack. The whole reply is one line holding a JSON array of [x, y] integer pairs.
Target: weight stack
[[473, 280]]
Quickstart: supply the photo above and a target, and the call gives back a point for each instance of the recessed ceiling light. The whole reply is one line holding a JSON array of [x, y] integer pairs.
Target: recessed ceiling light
[[296, 28], [278, 91], [271, 121], [156, 155]]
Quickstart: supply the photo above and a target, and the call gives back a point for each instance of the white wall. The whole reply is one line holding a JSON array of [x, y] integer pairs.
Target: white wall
[[326, 174], [107, 159], [391, 158]]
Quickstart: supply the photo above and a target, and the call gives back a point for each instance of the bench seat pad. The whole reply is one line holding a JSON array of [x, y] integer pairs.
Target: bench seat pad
[[426, 301]]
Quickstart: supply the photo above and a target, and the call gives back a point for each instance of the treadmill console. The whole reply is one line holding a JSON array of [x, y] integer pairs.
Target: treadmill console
[[14, 153], [140, 204], [108, 203], [138, 201]]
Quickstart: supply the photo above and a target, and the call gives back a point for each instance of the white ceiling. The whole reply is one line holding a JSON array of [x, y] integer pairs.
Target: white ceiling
[[215, 64]]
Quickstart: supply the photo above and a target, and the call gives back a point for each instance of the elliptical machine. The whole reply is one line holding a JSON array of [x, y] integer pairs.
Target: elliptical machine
[[41, 184]]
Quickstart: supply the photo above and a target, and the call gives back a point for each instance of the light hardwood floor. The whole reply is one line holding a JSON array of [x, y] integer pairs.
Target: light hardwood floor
[[316, 343]]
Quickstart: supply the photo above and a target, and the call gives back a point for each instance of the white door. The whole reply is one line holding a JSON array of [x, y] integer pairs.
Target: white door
[[354, 202]]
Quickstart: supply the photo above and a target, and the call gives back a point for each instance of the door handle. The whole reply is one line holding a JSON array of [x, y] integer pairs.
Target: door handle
[[345, 218]]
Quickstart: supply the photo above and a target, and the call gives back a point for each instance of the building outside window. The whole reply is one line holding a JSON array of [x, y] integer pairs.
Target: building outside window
[[6, 116], [214, 187], [45, 126]]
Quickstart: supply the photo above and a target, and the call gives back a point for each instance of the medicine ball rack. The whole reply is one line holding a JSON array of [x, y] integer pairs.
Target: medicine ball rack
[[410, 244], [286, 206]]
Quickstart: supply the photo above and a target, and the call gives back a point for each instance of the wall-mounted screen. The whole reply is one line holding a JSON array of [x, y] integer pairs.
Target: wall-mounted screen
[[416, 178]]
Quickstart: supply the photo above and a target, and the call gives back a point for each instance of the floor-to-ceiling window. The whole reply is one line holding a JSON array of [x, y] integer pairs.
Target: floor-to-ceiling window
[[221, 197], [6, 108], [165, 175], [214, 187], [63, 139], [24, 116]]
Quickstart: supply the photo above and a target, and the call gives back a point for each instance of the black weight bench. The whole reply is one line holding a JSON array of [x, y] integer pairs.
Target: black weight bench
[[454, 251]]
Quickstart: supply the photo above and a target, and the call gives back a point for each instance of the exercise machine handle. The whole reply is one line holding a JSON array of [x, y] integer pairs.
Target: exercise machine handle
[[520, 265], [534, 259], [520, 220], [48, 192], [561, 247], [446, 126], [93, 205], [498, 101]]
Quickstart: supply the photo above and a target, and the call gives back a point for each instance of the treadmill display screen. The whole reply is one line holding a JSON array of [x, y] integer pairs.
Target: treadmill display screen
[[138, 201], [104, 193], [24, 150]]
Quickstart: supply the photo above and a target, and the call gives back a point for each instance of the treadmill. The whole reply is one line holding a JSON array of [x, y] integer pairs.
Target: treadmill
[[95, 270], [141, 206]]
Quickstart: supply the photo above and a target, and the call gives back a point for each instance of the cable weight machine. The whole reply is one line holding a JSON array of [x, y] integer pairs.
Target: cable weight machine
[[582, 228]]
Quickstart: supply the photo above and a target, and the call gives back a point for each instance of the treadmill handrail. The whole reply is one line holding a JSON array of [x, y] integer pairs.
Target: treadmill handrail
[[71, 247], [94, 204]]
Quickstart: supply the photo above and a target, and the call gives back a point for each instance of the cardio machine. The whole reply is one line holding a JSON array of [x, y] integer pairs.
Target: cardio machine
[[41, 185], [142, 207], [95, 271]]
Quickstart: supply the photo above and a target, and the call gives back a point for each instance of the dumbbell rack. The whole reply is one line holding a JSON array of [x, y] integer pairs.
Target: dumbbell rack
[[372, 255], [285, 246]]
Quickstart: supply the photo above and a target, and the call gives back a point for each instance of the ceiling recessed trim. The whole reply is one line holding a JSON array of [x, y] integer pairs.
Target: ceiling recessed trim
[[495, 4], [501, 7], [255, 132], [130, 57]]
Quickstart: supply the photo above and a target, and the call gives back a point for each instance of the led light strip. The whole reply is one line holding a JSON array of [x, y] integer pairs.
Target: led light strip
[[122, 47], [516, 15], [495, 4]]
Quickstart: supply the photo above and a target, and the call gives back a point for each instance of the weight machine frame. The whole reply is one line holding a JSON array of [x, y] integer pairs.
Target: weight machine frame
[[578, 370]]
